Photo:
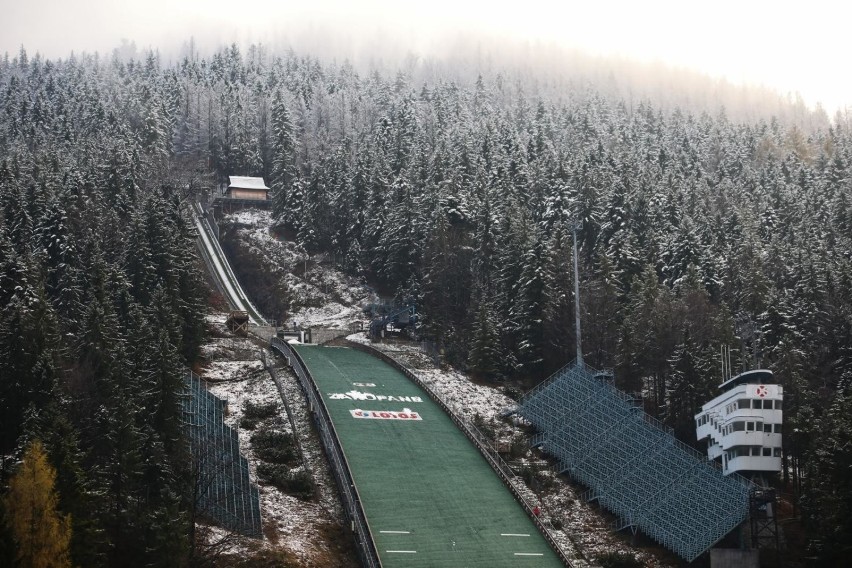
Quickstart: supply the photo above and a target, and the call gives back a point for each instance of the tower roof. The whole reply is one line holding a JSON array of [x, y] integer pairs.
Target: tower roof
[[755, 377], [242, 182]]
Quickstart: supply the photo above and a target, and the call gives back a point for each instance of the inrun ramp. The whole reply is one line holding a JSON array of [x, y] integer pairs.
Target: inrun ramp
[[220, 269], [633, 465], [429, 496]]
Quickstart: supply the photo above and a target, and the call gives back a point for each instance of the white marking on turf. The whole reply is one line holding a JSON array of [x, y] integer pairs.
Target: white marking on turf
[[403, 551], [394, 532], [513, 534], [529, 554]]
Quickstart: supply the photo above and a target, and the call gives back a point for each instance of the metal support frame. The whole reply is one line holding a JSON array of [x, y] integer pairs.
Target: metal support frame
[[632, 463], [577, 297], [227, 205], [763, 520]]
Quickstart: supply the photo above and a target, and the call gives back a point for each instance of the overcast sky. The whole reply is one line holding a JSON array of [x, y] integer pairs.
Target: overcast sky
[[789, 46]]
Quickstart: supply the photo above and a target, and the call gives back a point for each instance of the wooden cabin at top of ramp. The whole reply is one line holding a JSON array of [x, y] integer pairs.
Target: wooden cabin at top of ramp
[[242, 192], [250, 188]]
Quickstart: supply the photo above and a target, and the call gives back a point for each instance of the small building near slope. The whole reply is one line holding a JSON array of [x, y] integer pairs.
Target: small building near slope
[[251, 188]]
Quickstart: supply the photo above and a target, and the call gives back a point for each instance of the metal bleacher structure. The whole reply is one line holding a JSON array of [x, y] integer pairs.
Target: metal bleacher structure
[[632, 464], [224, 491]]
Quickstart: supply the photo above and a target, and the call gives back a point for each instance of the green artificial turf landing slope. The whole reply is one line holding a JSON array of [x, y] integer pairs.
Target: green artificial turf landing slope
[[430, 497]]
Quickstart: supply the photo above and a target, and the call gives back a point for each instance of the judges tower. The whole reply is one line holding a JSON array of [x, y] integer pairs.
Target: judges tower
[[743, 424]]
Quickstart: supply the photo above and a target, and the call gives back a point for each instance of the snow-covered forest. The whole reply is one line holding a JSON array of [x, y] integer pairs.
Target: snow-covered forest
[[460, 192]]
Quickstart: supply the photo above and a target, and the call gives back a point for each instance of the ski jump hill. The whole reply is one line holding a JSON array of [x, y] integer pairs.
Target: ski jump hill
[[428, 496], [420, 488], [415, 488]]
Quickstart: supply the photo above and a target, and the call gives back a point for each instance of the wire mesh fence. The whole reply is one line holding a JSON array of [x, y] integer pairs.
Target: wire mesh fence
[[223, 490]]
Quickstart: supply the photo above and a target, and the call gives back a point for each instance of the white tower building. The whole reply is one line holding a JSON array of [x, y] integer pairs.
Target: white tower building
[[743, 424]]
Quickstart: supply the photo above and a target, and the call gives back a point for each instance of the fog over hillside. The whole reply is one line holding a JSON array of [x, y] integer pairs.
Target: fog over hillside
[[541, 69], [695, 57]]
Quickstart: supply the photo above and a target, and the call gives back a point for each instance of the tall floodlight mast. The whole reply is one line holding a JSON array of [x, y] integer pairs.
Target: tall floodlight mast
[[577, 297]]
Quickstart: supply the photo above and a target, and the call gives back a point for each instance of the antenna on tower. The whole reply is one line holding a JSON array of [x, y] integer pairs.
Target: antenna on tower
[[726, 362], [577, 296]]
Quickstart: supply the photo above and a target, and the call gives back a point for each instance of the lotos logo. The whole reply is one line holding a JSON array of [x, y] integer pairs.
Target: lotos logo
[[762, 391], [406, 414]]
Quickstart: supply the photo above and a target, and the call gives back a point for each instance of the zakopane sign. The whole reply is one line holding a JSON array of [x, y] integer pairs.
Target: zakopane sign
[[359, 395]]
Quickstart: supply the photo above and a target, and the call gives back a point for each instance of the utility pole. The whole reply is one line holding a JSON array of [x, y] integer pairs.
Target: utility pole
[[577, 297]]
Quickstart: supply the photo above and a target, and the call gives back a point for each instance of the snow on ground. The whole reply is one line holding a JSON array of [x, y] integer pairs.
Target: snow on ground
[[322, 296], [216, 317], [333, 316], [463, 396], [235, 373]]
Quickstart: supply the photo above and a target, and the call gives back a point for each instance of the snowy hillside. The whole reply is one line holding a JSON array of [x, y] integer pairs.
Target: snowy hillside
[[331, 299], [306, 531], [321, 296]]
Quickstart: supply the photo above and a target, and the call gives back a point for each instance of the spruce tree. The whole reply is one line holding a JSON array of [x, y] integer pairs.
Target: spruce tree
[[484, 358]]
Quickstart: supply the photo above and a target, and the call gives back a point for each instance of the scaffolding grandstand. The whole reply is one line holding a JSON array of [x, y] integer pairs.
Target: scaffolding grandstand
[[632, 464]]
